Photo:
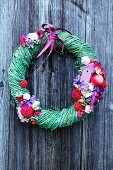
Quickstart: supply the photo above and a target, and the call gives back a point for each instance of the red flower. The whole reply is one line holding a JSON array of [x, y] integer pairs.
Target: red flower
[[76, 94], [98, 66], [20, 99], [24, 83], [41, 33], [23, 40], [37, 113], [104, 85], [78, 106], [27, 111], [81, 111], [92, 61]]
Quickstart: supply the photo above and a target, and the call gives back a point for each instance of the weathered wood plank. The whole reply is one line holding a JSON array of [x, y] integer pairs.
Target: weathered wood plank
[[97, 133], [87, 145]]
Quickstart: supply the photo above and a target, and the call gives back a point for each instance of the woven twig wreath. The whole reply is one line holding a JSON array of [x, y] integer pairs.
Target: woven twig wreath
[[88, 86]]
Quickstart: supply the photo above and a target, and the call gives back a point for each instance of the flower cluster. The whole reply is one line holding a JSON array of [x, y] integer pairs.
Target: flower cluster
[[29, 40], [89, 86], [28, 108]]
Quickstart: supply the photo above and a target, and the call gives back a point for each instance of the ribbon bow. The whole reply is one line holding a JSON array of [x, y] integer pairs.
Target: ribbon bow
[[52, 37]]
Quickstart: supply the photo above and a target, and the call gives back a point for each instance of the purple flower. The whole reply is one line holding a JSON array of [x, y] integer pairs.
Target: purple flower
[[77, 79], [31, 45], [29, 42], [32, 99], [83, 86], [26, 102]]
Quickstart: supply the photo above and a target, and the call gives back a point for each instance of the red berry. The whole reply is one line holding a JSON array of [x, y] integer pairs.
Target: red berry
[[21, 102], [79, 115], [78, 106], [24, 83], [33, 123]]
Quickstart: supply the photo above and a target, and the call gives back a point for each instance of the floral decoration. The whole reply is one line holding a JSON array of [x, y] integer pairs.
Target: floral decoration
[[28, 108], [29, 40], [89, 86]]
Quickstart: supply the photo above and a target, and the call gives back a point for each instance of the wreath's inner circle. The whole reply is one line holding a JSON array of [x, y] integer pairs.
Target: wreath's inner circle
[[54, 83]]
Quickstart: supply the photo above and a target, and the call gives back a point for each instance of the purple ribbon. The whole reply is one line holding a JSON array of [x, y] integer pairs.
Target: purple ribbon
[[52, 37]]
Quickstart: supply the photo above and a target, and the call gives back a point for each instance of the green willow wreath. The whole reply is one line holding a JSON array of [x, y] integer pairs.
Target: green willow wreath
[[89, 85]]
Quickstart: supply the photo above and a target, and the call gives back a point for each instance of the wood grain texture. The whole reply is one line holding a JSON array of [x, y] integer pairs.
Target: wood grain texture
[[86, 145]]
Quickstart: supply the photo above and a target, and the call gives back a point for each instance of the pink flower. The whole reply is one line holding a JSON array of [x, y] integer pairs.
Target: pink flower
[[23, 40]]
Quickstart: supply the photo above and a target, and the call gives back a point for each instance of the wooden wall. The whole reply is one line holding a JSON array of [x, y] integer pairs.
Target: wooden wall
[[84, 146]]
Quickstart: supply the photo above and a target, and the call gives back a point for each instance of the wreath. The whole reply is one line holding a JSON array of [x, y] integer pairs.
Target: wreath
[[88, 87]]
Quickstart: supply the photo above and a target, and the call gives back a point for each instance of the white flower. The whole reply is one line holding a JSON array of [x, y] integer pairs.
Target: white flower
[[35, 104], [37, 108], [20, 115], [33, 36], [91, 87], [26, 96], [22, 119], [87, 109], [85, 60], [75, 85]]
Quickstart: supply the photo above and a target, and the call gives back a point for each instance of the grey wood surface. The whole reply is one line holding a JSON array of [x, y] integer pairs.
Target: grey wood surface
[[86, 145]]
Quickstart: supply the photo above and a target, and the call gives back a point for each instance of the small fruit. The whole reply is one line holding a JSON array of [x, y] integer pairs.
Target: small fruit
[[97, 80], [21, 102], [33, 122]]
